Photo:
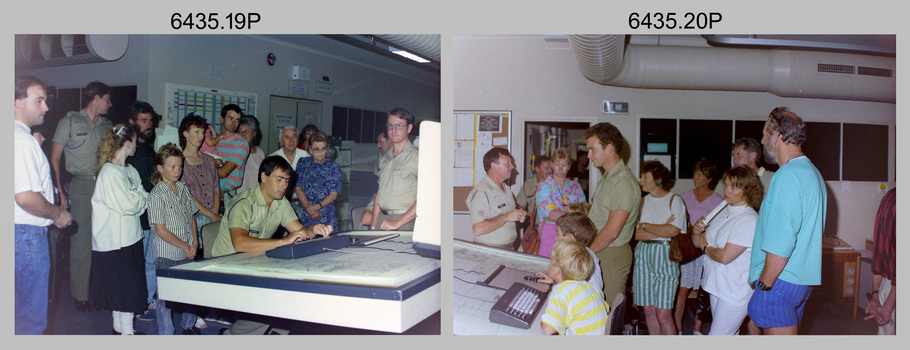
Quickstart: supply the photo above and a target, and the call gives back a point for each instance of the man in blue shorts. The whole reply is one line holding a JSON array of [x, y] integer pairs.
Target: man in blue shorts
[[787, 247]]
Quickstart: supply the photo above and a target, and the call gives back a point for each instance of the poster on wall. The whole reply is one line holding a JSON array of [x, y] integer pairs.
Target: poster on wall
[[282, 120], [204, 102]]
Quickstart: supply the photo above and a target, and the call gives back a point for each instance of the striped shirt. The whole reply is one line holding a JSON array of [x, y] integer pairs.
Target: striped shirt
[[234, 149], [576, 308], [174, 211], [883, 261]]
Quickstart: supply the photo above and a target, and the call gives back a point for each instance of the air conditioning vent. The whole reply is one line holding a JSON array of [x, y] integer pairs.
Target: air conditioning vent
[[836, 68], [875, 72]]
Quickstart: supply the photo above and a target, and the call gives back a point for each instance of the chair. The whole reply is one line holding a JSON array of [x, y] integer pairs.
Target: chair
[[209, 232], [616, 315]]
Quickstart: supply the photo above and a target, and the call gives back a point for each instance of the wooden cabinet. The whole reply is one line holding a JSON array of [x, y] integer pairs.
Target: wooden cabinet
[[841, 278]]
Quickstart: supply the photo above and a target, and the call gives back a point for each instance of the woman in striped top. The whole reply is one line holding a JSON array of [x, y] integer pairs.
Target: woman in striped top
[[171, 210]]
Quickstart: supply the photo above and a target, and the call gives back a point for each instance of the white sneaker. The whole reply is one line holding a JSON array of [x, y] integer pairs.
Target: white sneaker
[[696, 333], [200, 323]]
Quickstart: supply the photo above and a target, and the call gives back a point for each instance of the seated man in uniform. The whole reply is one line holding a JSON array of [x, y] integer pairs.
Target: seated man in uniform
[[253, 216]]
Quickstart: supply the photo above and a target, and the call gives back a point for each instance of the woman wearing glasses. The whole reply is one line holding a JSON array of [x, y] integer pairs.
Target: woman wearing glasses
[[318, 183]]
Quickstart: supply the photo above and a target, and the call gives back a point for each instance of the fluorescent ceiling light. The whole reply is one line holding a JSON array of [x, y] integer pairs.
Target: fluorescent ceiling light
[[408, 55]]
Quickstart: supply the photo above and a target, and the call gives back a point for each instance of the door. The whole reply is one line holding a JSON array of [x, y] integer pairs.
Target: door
[[290, 111]]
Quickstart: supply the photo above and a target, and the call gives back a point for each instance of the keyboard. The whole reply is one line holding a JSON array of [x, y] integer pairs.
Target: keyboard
[[309, 247], [518, 307]]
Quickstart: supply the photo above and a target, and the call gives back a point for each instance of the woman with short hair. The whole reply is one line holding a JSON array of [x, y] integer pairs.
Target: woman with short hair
[[727, 243], [663, 216]]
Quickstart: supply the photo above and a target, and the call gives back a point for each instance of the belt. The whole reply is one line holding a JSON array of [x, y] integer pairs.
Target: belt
[[656, 241], [85, 177], [393, 211]]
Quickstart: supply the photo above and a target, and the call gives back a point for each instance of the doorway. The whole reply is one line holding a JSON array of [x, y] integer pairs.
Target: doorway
[[542, 138]]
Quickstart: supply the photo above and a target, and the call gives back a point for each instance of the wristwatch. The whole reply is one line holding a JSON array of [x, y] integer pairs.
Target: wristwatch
[[761, 286]]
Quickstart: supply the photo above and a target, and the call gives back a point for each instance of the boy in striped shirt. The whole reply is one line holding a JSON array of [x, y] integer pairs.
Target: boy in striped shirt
[[171, 209], [574, 307]]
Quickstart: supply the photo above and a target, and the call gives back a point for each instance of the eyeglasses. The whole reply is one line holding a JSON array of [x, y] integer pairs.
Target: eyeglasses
[[398, 127], [318, 149]]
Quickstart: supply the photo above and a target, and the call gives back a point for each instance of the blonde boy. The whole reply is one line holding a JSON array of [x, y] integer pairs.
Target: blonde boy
[[574, 306], [578, 227]]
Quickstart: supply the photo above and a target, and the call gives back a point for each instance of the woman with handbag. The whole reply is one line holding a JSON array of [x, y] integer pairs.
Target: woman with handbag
[[654, 281], [727, 241], [699, 202], [553, 198]]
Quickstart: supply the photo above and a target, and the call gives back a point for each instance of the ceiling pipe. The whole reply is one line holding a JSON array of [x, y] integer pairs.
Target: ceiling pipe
[[426, 45], [786, 73], [37, 51]]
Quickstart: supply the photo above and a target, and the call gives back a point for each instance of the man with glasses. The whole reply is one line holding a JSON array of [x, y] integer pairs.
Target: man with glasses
[[492, 204], [395, 204]]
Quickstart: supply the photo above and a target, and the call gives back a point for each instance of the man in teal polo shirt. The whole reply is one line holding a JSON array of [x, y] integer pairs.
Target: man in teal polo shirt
[[787, 247], [615, 206]]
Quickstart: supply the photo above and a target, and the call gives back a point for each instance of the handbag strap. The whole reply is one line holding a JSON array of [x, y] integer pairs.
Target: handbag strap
[[670, 209]]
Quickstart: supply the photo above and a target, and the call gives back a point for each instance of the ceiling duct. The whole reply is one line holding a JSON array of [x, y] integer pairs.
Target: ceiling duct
[[786, 73], [599, 56], [37, 51], [426, 45]]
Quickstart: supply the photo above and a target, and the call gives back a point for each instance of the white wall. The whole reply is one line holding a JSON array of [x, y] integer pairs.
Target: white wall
[[151, 61], [539, 80]]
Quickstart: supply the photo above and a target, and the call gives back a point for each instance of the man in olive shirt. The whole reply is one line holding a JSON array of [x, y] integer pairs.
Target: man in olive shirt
[[614, 206], [78, 136], [395, 207], [253, 215], [492, 205]]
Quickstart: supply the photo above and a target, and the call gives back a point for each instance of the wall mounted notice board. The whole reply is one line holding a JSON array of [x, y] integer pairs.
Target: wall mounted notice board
[[476, 132], [205, 102]]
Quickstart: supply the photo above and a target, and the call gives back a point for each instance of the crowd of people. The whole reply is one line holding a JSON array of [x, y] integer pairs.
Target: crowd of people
[[137, 209], [760, 255]]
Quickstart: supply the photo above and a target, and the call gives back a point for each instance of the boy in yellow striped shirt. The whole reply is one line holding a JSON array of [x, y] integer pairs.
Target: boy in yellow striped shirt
[[574, 307]]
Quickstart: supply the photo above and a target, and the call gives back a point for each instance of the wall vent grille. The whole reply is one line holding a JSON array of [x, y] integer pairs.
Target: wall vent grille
[[836, 68], [875, 72]]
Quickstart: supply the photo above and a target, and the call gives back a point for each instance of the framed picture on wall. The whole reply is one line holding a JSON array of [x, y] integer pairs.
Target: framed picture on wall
[[489, 123]]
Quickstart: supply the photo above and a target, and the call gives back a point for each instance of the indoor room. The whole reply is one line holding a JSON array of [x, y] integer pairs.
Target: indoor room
[[676, 99], [341, 85]]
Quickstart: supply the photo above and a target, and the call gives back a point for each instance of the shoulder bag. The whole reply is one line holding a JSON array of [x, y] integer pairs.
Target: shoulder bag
[[682, 250]]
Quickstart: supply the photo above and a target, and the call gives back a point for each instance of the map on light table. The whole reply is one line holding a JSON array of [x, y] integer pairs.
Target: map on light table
[[387, 264], [472, 302]]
